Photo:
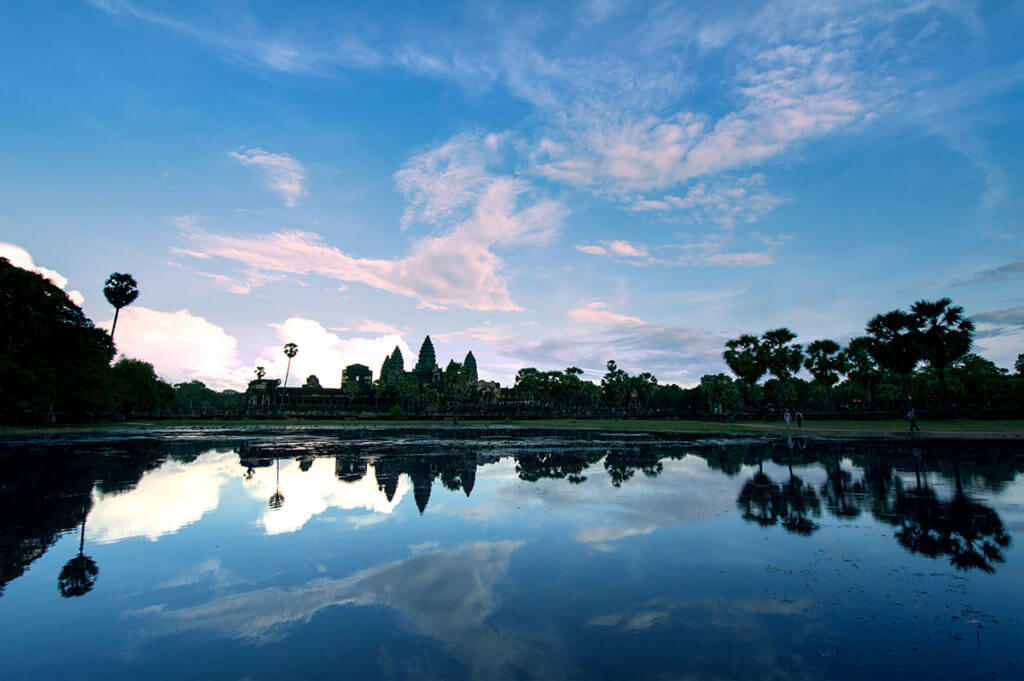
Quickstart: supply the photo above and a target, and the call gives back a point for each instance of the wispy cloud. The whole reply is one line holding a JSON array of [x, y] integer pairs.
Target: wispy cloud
[[456, 267], [1000, 273], [282, 173]]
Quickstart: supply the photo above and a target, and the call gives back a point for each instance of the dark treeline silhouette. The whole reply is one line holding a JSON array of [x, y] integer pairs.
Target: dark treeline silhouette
[[54, 360], [47, 491], [55, 365], [918, 357]]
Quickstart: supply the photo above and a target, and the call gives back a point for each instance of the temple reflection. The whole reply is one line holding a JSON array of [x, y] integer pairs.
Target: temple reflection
[[925, 494]]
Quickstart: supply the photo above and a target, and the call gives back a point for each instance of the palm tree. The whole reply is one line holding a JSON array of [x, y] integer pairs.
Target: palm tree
[[895, 343], [78, 576], [746, 358], [121, 290], [827, 362], [945, 335], [290, 350]]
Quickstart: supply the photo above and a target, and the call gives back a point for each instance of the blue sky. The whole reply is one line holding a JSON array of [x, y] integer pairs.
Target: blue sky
[[547, 185]]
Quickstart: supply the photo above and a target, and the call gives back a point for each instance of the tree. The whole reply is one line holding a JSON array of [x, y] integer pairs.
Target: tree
[[944, 335], [861, 367], [894, 345], [120, 290], [615, 385], [1019, 364], [51, 354], [137, 388], [826, 362], [290, 350], [720, 394], [782, 357], [746, 358]]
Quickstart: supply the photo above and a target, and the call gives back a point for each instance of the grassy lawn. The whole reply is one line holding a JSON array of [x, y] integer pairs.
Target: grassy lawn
[[959, 428]]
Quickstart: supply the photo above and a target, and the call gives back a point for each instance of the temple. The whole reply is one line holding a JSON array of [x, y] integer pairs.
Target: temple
[[359, 392]]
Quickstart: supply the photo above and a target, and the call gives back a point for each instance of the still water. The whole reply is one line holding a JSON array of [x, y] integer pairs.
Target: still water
[[419, 553]]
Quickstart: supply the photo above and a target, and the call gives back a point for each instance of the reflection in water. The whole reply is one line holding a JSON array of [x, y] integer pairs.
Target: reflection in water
[[151, 488], [498, 556], [78, 576]]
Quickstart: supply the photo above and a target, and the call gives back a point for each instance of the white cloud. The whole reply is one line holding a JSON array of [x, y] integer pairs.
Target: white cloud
[[19, 257], [282, 173], [370, 326], [180, 346], [311, 492], [324, 353], [164, 500]]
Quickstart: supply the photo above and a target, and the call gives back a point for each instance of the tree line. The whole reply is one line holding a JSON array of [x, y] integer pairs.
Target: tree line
[[53, 359]]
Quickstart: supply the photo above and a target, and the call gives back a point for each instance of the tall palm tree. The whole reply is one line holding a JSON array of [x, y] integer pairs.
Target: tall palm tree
[[290, 350], [945, 335], [78, 575], [120, 290], [895, 344]]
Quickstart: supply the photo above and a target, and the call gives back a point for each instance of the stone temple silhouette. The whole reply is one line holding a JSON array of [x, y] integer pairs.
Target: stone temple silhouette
[[266, 396]]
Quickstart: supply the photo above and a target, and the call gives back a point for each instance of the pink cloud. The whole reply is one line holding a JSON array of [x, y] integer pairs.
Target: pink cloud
[[597, 313]]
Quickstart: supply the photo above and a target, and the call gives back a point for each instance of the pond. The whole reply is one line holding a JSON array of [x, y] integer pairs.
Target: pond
[[489, 553]]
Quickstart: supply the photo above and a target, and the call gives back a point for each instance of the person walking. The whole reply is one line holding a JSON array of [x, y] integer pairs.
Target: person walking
[[785, 417], [799, 420], [912, 417]]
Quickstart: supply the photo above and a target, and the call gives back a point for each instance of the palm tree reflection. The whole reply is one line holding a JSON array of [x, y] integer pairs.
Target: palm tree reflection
[[78, 576], [277, 499]]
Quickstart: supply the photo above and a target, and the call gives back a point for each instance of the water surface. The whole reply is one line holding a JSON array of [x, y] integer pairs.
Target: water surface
[[248, 554]]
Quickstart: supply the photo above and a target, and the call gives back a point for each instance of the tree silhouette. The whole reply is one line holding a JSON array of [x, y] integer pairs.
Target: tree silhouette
[[290, 350], [120, 290], [945, 335], [861, 367], [746, 358], [78, 576], [826, 362], [895, 343]]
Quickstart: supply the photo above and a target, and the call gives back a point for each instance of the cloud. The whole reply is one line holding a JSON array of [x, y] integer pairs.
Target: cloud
[[597, 313], [370, 326], [164, 500], [448, 595], [308, 493], [324, 353], [617, 247], [1012, 316], [738, 259], [282, 173], [180, 346], [680, 354], [19, 257], [1008, 271], [457, 266]]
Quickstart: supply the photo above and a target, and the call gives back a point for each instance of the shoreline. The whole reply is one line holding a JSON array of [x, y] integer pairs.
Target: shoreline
[[958, 429]]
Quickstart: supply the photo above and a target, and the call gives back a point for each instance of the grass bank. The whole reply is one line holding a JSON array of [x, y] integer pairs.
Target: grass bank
[[949, 429]]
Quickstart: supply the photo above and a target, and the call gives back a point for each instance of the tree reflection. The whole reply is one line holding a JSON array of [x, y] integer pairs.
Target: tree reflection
[[78, 576], [969, 533], [277, 499]]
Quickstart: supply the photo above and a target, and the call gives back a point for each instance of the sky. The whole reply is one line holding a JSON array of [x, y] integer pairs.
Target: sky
[[547, 185]]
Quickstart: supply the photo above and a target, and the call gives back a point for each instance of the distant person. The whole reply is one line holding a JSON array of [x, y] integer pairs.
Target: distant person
[[785, 417], [799, 420], [912, 417]]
